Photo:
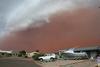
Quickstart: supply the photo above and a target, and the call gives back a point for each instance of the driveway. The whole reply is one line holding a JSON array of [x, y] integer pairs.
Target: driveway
[[17, 62]]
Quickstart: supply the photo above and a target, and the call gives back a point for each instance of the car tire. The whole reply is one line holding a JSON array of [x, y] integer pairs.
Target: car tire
[[41, 59], [52, 59]]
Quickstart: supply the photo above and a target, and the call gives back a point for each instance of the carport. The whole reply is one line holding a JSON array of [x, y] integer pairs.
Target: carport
[[92, 52]]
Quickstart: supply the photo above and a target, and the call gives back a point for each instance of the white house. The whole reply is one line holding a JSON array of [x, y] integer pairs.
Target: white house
[[2, 51], [32, 54]]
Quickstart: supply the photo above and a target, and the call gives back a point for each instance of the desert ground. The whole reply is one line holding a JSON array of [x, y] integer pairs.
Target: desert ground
[[17, 62], [29, 62], [68, 63]]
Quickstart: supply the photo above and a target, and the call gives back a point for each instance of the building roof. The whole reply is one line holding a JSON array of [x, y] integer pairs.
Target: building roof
[[88, 48], [3, 51]]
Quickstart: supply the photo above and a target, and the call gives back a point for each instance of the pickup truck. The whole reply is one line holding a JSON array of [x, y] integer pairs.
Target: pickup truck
[[48, 57]]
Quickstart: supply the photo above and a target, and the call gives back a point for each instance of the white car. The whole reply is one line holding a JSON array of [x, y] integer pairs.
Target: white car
[[48, 57]]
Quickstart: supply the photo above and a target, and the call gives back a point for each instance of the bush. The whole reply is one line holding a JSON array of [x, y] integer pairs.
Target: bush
[[25, 56], [36, 56], [19, 55], [22, 54], [8, 55]]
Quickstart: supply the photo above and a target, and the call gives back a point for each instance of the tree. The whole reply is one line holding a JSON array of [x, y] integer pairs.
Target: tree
[[37, 50], [22, 54]]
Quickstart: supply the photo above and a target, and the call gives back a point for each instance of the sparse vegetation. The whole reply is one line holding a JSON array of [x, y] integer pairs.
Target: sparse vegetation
[[22, 54], [5, 55]]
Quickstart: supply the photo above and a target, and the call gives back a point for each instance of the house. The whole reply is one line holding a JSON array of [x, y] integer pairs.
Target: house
[[2, 51], [5, 53], [32, 54], [91, 51], [62, 51], [71, 54]]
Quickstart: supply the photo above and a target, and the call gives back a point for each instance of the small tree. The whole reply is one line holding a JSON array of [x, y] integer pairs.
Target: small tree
[[37, 50], [22, 54]]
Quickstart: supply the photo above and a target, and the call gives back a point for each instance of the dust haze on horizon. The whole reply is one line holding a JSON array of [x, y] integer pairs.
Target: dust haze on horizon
[[53, 24]]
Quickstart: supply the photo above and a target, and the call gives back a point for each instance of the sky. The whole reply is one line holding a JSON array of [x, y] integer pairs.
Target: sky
[[21, 15]]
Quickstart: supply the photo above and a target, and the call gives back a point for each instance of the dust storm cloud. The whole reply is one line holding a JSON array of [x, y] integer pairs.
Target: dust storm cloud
[[74, 28], [77, 29]]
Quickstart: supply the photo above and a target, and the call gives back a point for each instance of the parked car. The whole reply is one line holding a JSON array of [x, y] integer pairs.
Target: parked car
[[48, 57]]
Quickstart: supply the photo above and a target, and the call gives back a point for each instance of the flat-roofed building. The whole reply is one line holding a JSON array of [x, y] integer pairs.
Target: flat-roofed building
[[4, 53], [91, 51]]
